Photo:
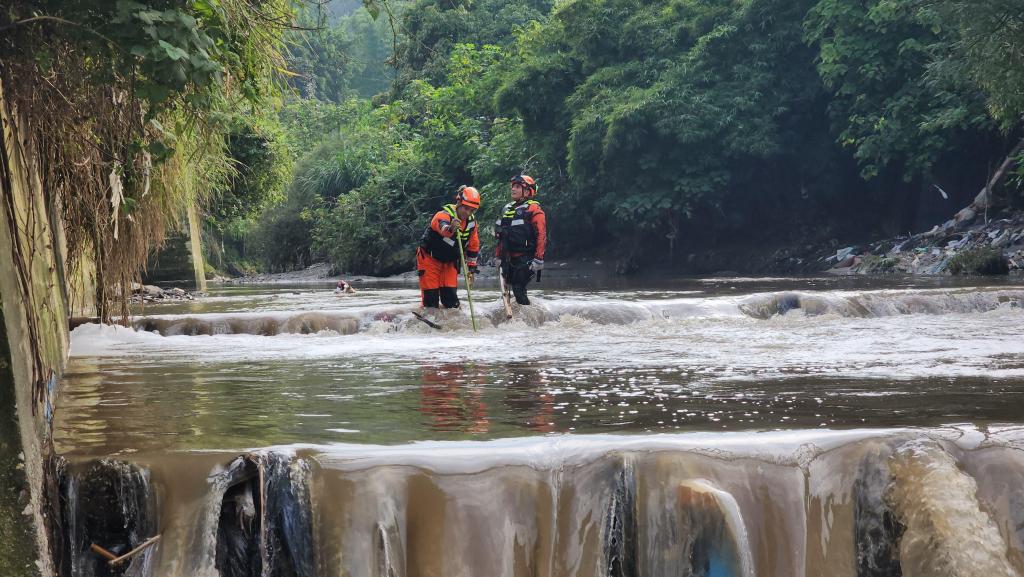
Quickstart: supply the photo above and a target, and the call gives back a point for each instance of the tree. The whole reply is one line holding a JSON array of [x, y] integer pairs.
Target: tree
[[874, 56]]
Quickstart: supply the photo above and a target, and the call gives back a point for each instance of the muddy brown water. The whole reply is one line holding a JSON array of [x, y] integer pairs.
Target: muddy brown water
[[683, 427]]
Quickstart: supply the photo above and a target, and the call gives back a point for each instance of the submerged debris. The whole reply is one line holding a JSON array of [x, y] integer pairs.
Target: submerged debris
[[876, 529], [964, 245], [110, 504], [620, 525], [265, 525], [152, 293]]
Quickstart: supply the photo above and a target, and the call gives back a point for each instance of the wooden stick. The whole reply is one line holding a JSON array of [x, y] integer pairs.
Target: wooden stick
[[101, 551], [429, 323], [145, 545], [505, 298], [264, 553]]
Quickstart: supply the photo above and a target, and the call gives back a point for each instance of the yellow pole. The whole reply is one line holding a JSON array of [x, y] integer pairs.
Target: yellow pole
[[465, 275], [196, 248]]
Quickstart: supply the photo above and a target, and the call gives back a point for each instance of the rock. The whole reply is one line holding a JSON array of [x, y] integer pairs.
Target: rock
[[938, 267], [981, 201], [966, 214], [234, 270], [153, 291]]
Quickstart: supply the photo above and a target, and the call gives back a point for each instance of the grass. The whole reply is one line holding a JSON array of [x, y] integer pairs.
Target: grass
[[979, 261]]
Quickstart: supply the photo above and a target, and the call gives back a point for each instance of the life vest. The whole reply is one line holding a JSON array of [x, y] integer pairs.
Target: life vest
[[443, 248], [515, 228]]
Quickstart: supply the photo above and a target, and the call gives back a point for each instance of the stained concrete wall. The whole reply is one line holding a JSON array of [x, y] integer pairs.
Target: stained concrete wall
[[181, 259], [38, 295]]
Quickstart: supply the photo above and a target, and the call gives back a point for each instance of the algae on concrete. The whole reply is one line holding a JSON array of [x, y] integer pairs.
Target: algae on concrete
[[17, 543]]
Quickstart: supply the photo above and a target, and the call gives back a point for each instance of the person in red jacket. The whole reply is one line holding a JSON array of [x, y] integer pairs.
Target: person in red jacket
[[438, 258], [522, 233]]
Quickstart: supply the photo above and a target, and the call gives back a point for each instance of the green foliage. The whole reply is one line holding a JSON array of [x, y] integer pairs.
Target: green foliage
[[128, 104], [431, 29], [341, 59], [368, 190], [874, 56], [258, 166], [257, 152], [288, 235], [307, 123], [979, 261], [987, 48], [175, 53], [873, 263], [673, 111], [653, 124]]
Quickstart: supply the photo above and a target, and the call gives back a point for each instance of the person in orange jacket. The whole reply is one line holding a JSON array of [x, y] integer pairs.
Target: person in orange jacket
[[522, 233], [438, 259]]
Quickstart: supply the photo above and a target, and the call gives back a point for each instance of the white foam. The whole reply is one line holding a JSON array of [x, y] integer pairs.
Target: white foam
[[554, 451], [707, 337]]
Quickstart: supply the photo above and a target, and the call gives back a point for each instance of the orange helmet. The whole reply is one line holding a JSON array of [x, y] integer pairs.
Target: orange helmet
[[468, 196], [528, 182]]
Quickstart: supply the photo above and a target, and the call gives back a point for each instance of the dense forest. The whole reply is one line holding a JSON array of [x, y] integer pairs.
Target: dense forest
[[655, 129]]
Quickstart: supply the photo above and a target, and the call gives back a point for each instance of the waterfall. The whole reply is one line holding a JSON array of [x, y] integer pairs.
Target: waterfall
[[110, 504], [893, 504]]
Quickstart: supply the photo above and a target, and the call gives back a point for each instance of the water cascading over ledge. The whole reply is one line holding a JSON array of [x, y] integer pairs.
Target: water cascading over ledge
[[815, 503], [761, 306], [108, 504], [264, 528]]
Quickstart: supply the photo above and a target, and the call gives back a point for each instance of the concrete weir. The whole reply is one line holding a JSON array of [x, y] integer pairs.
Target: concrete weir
[[895, 502]]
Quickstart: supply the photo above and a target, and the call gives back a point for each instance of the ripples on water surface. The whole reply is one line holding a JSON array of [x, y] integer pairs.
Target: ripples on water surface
[[716, 354]]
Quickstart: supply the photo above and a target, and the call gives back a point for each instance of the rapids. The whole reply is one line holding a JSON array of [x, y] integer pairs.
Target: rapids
[[720, 427]]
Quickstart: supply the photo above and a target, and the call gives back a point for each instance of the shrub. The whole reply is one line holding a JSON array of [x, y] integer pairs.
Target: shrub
[[979, 261]]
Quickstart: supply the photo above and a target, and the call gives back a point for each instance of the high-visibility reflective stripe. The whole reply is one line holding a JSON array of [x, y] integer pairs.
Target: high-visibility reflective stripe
[[449, 241], [463, 234], [518, 221]]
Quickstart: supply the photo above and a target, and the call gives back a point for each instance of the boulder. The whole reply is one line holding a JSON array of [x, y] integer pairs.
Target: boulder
[[965, 215], [980, 201], [843, 253]]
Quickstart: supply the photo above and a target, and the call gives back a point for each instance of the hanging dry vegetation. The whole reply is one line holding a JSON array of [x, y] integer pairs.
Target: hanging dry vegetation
[[120, 105]]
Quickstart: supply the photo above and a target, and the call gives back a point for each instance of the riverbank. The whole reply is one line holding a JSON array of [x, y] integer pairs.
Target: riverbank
[[319, 273], [970, 243]]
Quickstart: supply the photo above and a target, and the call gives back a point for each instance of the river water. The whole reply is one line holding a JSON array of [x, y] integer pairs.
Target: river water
[[711, 427]]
